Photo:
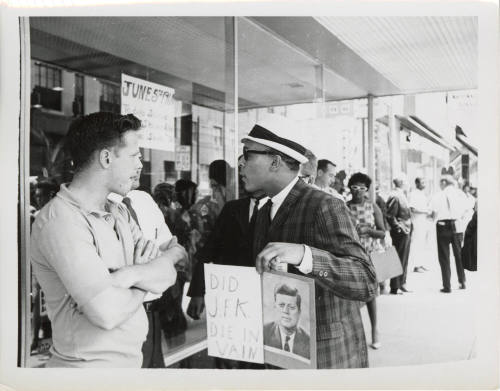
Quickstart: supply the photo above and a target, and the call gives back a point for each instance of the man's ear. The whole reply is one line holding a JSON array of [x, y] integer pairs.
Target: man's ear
[[277, 161], [105, 157]]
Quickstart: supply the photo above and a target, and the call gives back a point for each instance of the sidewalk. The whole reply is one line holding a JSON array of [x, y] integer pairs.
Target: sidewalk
[[424, 326]]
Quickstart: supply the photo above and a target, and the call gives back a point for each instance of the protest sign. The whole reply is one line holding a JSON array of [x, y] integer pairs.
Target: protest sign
[[289, 310], [154, 105], [234, 313]]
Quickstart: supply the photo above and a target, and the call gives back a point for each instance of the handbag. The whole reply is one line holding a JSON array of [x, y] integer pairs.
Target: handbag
[[387, 263]]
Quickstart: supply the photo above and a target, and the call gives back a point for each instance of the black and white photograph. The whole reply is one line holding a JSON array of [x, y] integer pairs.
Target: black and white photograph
[[289, 320], [342, 156]]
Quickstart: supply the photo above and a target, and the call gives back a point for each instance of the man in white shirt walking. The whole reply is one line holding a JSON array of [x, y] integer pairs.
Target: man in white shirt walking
[[420, 213], [448, 209]]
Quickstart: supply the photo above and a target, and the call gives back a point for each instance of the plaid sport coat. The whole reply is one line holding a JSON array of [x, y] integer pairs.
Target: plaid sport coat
[[343, 272]]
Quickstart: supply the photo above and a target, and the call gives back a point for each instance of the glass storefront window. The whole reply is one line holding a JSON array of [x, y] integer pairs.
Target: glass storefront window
[[78, 65]]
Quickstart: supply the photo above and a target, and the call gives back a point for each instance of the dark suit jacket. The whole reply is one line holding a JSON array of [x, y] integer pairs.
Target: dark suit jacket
[[398, 211], [272, 337], [228, 243], [469, 249], [343, 272], [383, 208]]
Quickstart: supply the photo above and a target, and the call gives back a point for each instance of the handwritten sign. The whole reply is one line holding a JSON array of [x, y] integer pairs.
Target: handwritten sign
[[183, 158], [233, 302], [154, 105]]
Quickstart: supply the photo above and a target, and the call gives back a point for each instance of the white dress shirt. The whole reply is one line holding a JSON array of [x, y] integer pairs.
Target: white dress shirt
[[418, 201], [262, 202], [151, 221], [450, 204]]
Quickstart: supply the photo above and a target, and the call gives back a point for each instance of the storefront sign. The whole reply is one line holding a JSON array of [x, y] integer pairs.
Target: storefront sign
[[234, 312], [183, 158], [153, 104]]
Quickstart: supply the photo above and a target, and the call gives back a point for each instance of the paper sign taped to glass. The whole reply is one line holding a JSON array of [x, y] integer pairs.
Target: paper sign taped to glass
[[268, 318], [154, 105]]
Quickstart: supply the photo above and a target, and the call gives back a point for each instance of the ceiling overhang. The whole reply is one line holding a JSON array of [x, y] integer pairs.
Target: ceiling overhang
[[278, 57]]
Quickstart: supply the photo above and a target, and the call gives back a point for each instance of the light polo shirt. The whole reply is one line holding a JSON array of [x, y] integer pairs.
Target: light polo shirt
[[151, 221], [72, 250]]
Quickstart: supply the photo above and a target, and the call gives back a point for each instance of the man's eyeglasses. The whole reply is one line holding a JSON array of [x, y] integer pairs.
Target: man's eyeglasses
[[246, 152], [359, 188]]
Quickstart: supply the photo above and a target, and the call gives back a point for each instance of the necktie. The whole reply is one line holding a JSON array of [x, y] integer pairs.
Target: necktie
[[253, 219], [131, 210], [254, 214], [287, 347], [262, 223]]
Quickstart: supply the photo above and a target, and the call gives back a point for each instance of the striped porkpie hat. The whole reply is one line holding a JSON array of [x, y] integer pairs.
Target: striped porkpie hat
[[261, 133]]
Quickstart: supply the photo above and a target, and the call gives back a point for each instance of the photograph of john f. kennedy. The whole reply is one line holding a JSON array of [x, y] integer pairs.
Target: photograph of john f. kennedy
[[284, 333]]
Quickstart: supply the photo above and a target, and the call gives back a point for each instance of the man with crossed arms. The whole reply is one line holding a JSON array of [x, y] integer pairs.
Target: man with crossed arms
[[90, 257]]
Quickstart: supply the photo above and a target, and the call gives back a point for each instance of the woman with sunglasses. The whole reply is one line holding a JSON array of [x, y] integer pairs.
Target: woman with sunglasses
[[370, 227]]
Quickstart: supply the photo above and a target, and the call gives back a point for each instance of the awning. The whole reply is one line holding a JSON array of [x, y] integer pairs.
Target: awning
[[461, 140], [415, 124]]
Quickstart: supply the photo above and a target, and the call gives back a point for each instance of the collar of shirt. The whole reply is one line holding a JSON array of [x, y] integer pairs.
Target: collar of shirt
[[115, 197], [70, 197], [262, 202], [283, 335], [280, 197]]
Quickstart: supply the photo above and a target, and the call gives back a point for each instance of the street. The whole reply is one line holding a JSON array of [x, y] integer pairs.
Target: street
[[425, 326]]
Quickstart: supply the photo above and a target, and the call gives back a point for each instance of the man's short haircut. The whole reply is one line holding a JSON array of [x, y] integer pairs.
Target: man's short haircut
[[359, 177], [323, 164], [164, 194], [284, 289], [97, 131], [218, 170], [398, 182], [418, 181]]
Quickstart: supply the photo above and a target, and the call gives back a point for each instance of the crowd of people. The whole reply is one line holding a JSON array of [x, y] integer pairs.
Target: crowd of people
[[113, 260]]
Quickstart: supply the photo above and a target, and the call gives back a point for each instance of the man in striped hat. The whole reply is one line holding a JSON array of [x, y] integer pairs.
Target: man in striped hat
[[309, 232]]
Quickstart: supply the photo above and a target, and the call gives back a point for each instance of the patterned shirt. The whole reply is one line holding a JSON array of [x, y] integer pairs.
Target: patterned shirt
[[363, 214]]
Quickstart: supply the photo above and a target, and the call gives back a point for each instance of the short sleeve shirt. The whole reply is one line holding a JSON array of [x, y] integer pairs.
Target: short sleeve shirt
[[73, 250]]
